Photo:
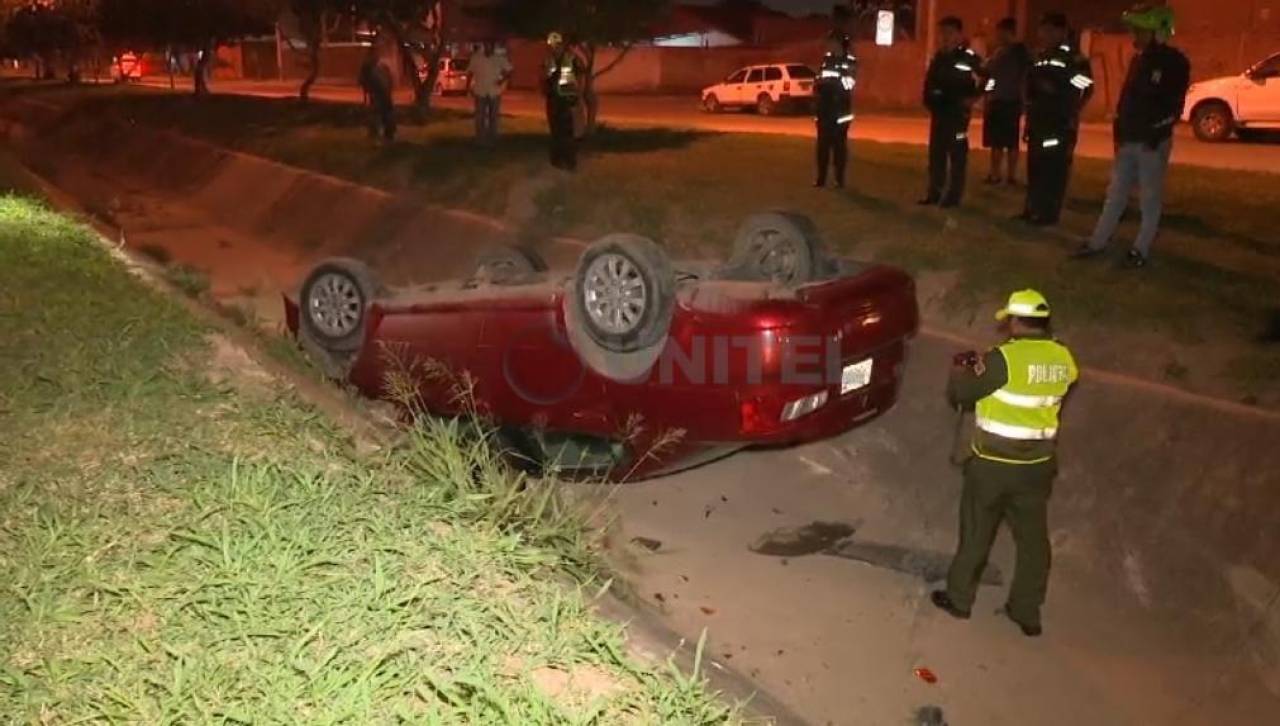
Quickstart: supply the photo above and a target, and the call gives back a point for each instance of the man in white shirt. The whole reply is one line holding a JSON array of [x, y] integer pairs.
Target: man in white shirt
[[490, 71]]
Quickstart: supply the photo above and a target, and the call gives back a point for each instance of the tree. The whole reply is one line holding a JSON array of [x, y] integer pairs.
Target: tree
[[418, 29], [49, 32], [197, 25], [587, 26], [314, 17]]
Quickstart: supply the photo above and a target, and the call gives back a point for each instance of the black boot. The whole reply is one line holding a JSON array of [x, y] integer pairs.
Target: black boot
[[942, 601], [1031, 631]]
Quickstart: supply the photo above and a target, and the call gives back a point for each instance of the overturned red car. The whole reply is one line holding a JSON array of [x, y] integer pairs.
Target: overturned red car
[[630, 366]]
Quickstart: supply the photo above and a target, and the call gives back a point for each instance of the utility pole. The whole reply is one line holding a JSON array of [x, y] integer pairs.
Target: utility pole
[[279, 53]]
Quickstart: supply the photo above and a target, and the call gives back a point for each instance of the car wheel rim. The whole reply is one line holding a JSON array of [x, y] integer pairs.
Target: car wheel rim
[[615, 294], [335, 305], [1213, 124], [776, 257]]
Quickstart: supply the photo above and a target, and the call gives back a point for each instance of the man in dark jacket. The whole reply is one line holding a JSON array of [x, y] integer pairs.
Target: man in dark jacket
[[561, 83], [835, 108], [375, 80], [950, 90], [1058, 87], [1006, 75], [1155, 90]]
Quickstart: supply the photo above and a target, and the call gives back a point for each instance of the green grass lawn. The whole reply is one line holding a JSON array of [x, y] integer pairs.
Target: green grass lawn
[[183, 540], [1198, 308]]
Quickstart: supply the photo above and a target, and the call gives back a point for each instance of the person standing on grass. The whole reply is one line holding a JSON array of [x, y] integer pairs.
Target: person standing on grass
[[375, 81], [1059, 85], [950, 90], [1151, 102], [1006, 75], [835, 108], [1016, 391], [490, 71], [561, 77]]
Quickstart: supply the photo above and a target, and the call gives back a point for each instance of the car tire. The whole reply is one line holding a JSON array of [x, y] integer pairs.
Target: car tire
[[779, 247], [711, 104], [508, 265], [765, 105], [624, 292], [334, 304], [1212, 121]]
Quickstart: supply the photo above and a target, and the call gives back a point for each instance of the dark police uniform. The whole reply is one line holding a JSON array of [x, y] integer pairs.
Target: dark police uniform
[[836, 80], [1059, 84], [561, 77], [950, 87]]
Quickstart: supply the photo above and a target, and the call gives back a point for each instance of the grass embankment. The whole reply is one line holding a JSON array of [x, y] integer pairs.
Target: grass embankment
[[1191, 318], [182, 540]]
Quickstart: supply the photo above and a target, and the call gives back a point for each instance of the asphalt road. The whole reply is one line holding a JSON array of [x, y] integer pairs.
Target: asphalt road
[[683, 112]]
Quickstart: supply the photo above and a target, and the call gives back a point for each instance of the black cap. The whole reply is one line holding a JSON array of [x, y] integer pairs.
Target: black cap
[[1055, 20]]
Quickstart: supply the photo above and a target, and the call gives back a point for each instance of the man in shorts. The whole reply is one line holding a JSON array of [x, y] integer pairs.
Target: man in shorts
[[1005, 79]]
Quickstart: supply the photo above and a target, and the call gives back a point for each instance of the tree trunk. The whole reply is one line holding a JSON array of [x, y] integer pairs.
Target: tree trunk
[[204, 67], [314, 29], [589, 97]]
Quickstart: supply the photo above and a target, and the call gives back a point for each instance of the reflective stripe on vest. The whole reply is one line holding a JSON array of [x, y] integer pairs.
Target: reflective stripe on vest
[[1020, 433], [1025, 408]]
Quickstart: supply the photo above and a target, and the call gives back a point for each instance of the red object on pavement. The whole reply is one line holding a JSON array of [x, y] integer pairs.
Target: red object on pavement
[[926, 675]]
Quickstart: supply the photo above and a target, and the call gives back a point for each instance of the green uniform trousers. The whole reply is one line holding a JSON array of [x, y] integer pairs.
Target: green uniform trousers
[[1018, 494]]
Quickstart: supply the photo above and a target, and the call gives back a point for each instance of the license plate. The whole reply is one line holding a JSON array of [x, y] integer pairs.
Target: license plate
[[855, 376]]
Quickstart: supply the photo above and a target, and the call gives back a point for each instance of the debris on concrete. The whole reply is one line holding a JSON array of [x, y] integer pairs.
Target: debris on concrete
[[797, 541]]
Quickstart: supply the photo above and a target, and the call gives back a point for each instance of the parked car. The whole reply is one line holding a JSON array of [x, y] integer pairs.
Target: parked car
[[453, 79], [630, 366], [1243, 104], [767, 89], [126, 67]]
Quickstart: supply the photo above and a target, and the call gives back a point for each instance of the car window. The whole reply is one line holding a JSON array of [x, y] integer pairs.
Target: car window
[[459, 64], [737, 76], [756, 76], [801, 72], [773, 74], [1269, 68]]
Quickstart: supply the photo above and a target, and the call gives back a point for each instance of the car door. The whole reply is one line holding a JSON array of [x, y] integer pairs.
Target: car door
[[1259, 98], [754, 87], [773, 82], [732, 88]]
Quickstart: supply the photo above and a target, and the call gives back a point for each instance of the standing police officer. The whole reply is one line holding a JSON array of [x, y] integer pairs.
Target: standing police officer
[[560, 83], [835, 107], [950, 89], [1059, 85], [1017, 390]]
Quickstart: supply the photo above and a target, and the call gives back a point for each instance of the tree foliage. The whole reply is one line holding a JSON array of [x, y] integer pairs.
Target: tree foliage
[[418, 29], [48, 32]]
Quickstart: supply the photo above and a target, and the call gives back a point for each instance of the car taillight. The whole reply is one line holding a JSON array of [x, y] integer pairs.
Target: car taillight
[[804, 406], [753, 416]]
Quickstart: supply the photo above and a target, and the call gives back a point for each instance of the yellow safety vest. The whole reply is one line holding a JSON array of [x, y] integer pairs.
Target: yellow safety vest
[[1026, 408]]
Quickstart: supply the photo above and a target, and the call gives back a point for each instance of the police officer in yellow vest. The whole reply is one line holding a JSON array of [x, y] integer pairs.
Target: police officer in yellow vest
[[1017, 391]]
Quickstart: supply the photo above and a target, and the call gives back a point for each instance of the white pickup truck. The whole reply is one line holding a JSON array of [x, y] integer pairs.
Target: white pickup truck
[[1242, 104]]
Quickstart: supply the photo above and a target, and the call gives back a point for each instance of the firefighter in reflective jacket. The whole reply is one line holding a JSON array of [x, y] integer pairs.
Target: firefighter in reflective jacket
[[1059, 84], [560, 83], [1017, 391], [950, 90], [836, 80]]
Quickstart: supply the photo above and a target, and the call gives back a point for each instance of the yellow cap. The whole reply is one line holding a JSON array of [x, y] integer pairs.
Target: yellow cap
[[1025, 304]]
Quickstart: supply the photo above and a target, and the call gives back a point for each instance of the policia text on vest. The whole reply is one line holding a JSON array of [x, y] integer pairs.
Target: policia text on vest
[[1016, 391]]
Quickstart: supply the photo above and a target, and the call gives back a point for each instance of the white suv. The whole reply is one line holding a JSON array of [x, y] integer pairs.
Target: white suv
[[764, 88], [1242, 104]]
